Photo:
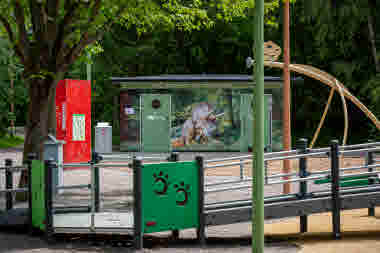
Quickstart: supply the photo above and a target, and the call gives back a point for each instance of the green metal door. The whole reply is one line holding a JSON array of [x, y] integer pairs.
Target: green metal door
[[155, 125], [246, 117]]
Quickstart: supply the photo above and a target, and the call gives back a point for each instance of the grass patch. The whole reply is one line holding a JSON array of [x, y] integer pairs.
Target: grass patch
[[10, 142]]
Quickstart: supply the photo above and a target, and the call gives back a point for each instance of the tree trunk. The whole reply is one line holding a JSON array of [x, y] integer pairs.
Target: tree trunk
[[371, 36], [37, 126], [115, 112], [12, 92]]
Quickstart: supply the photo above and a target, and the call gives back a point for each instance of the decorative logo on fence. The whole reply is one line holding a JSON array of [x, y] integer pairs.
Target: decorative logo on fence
[[182, 193], [160, 184]]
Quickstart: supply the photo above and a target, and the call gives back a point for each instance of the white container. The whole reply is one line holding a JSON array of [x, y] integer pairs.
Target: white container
[[103, 138]]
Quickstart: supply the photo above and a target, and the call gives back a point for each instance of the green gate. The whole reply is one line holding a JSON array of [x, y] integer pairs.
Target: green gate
[[246, 117], [170, 198], [155, 122]]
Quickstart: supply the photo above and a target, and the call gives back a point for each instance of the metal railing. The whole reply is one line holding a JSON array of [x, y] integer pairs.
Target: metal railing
[[9, 190], [335, 175], [303, 176]]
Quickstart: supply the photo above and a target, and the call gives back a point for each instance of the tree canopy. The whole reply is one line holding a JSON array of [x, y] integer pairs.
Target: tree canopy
[[49, 35]]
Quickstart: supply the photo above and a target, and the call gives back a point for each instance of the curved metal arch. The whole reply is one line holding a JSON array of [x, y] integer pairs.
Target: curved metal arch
[[331, 81]]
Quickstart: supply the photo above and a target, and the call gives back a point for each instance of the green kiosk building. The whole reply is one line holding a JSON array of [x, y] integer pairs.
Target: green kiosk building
[[195, 113]]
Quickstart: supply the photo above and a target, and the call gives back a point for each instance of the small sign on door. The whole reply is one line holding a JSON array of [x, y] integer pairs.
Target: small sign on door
[[79, 124], [129, 110]]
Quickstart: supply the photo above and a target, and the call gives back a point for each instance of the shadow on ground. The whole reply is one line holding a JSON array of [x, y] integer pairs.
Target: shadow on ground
[[19, 241]]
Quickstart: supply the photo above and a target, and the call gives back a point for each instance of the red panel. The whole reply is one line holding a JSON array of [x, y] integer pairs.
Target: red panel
[[77, 134]]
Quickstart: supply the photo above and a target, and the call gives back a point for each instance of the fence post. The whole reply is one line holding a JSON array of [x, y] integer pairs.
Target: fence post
[[137, 194], [266, 149], [201, 236], [174, 157], [30, 158], [50, 165], [370, 161], [8, 183], [96, 159], [303, 173], [334, 146], [241, 169]]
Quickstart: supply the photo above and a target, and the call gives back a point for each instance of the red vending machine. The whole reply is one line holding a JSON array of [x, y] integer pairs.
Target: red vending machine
[[73, 113]]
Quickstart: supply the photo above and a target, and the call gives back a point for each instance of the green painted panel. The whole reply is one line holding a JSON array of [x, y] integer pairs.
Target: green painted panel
[[170, 196], [348, 181], [353, 183], [268, 121], [155, 117], [38, 194], [246, 116]]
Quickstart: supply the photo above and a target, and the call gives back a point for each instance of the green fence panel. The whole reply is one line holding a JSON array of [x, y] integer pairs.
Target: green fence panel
[[38, 194], [170, 196]]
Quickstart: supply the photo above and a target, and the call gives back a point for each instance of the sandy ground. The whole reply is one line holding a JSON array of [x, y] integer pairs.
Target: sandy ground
[[360, 232]]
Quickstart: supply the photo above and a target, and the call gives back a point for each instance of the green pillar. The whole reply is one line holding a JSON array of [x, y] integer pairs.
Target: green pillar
[[258, 133]]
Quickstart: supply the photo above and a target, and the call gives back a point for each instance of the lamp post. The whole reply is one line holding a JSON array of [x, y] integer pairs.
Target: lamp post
[[258, 139], [286, 93]]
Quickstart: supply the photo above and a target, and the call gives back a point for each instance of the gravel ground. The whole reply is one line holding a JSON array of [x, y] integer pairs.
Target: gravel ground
[[116, 185]]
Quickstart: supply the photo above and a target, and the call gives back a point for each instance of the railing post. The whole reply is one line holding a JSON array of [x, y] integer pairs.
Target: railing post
[[303, 173], [96, 189], [174, 157], [96, 159], [137, 194], [30, 158], [201, 236], [49, 167], [8, 183], [370, 161], [266, 149], [241, 169], [334, 146]]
